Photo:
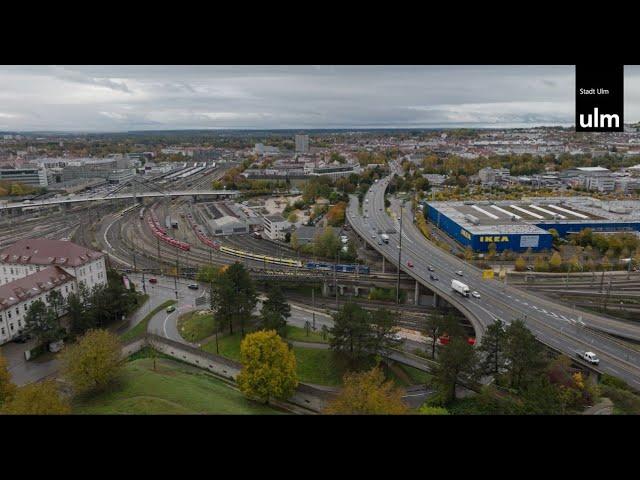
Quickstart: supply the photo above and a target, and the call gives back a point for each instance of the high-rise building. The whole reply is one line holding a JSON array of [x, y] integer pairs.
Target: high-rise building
[[302, 143]]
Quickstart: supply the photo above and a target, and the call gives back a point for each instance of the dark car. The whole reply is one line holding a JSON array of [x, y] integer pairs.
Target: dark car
[[193, 286], [153, 280], [433, 277], [430, 268], [21, 339]]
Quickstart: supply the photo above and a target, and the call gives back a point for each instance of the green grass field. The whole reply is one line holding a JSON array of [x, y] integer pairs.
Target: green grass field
[[195, 326], [175, 388], [314, 365], [300, 335]]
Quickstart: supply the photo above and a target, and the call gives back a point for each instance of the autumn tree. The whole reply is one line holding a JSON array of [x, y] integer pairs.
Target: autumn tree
[[368, 393], [40, 398], [94, 361], [268, 367], [7, 387], [555, 262], [521, 264]]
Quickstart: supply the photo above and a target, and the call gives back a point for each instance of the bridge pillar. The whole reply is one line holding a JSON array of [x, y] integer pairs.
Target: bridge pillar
[[436, 300], [341, 290], [383, 263], [325, 289], [416, 294], [356, 290]]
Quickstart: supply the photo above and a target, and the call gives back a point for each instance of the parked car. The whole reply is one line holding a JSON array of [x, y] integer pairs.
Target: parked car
[[193, 286], [21, 338], [153, 280]]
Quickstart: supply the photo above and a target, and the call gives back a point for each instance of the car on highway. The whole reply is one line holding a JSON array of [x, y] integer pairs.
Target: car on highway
[[433, 277], [459, 272], [171, 308], [193, 286], [409, 264], [153, 280], [379, 242], [373, 234], [589, 357], [430, 268], [475, 294]]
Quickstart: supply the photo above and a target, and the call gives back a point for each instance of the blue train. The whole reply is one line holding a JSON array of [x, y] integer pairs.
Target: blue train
[[362, 269]]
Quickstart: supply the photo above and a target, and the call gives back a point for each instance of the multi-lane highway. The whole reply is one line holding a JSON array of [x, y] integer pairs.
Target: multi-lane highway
[[556, 325]]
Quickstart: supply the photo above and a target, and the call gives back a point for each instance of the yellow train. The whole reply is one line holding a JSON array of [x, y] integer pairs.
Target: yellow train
[[289, 262]]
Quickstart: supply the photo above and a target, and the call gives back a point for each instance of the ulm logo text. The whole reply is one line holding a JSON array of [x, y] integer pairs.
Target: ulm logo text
[[603, 120]]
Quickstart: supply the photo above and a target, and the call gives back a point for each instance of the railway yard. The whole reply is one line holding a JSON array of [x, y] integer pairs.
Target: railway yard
[[136, 237]]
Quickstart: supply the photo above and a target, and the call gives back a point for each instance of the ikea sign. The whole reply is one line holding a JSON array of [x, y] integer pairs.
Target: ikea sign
[[494, 239], [465, 234]]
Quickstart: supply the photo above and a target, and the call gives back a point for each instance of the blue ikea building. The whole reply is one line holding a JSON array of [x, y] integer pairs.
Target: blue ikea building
[[518, 226]]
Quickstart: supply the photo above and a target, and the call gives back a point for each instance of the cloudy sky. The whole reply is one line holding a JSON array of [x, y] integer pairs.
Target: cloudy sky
[[120, 98]]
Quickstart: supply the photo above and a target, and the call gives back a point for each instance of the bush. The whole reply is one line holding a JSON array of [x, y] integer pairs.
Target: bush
[[429, 410]]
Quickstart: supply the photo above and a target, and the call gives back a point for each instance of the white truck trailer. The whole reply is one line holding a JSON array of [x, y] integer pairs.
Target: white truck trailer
[[461, 288]]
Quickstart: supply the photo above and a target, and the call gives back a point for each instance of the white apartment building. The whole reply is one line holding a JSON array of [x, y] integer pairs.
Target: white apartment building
[[302, 143], [28, 256], [276, 227], [16, 297]]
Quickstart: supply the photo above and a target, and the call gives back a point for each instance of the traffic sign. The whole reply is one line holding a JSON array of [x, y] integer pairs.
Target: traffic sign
[[487, 274]]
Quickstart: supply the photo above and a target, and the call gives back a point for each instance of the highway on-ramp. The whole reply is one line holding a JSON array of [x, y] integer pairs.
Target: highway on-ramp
[[553, 324]]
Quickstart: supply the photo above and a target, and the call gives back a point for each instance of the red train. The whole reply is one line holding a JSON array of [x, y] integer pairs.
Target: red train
[[201, 235], [161, 233]]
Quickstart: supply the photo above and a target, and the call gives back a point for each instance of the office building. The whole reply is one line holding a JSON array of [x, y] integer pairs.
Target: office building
[[31, 176], [302, 143]]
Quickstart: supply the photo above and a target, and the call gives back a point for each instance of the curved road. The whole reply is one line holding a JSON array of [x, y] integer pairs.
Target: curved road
[[553, 324]]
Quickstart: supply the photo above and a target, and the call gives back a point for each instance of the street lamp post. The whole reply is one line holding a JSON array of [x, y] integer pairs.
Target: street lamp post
[[399, 256]]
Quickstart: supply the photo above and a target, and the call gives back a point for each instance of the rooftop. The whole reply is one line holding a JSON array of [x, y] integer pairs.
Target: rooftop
[[528, 215], [32, 285], [42, 251]]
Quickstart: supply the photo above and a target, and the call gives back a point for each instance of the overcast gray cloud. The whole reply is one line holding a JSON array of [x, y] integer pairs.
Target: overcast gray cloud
[[116, 98]]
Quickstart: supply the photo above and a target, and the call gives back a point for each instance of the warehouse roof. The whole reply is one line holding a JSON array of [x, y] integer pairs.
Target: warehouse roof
[[526, 215]]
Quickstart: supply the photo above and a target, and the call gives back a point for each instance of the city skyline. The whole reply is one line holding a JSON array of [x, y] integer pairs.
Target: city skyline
[[125, 98]]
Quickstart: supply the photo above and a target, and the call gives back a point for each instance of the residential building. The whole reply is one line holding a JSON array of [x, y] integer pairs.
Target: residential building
[[302, 143], [276, 227], [28, 256], [17, 296]]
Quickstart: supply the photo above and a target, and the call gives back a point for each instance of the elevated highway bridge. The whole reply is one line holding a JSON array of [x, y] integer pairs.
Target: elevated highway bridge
[[118, 196], [558, 326]]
